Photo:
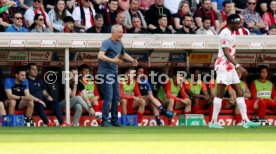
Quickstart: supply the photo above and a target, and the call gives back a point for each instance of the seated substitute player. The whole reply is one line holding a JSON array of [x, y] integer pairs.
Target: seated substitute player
[[146, 92], [18, 95], [198, 92], [130, 97], [263, 93], [41, 97], [76, 102], [225, 67], [168, 94], [88, 90]]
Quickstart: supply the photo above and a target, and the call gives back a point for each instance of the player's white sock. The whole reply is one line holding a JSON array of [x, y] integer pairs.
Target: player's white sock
[[242, 107], [216, 109]]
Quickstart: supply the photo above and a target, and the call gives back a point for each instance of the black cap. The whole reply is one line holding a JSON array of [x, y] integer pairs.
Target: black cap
[[233, 18], [68, 19]]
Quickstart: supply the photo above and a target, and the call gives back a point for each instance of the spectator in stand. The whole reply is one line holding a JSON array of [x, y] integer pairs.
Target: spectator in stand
[[240, 5], [152, 15], [217, 5], [38, 25], [242, 30], [57, 14], [6, 16], [42, 98], [37, 8], [68, 24], [269, 17], [163, 26], [183, 9], [120, 19], [49, 4], [99, 4], [20, 4], [110, 13], [17, 94], [137, 27], [84, 16], [206, 29], [144, 5], [6, 7], [272, 30], [134, 12], [76, 102], [28, 3], [130, 96], [70, 5], [123, 5], [17, 23], [172, 5], [99, 26], [206, 12], [253, 19], [198, 92], [224, 13], [263, 93], [187, 23], [262, 6], [170, 92]]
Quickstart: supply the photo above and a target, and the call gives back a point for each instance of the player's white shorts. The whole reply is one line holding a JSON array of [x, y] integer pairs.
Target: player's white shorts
[[227, 78]]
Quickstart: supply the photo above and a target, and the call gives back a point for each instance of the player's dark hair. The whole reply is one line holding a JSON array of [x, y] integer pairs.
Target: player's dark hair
[[73, 68], [30, 65], [139, 67], [83, 66], [20, 69], [127, 70], [261, 67]]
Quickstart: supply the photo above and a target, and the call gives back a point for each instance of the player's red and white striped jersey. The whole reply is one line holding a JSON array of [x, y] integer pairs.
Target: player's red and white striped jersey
[[227, 39]]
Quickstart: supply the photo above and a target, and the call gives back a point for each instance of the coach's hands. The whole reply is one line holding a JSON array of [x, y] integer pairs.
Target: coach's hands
[[117, 60], [135, 62]]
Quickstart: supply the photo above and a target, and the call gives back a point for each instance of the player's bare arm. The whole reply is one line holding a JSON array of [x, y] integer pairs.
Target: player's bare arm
[[233, 61]]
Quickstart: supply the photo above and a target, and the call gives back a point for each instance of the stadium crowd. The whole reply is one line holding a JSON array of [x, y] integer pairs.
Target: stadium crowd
[[205, 17], [28, 92]]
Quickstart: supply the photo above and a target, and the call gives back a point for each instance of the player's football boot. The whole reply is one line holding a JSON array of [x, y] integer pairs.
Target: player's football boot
[[215, 125], [250, 124]]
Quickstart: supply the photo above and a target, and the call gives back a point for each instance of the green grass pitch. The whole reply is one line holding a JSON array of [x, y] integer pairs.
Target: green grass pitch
[[140, 140]]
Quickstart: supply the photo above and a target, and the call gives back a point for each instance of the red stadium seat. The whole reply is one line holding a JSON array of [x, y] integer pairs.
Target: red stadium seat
[[19, 111]]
